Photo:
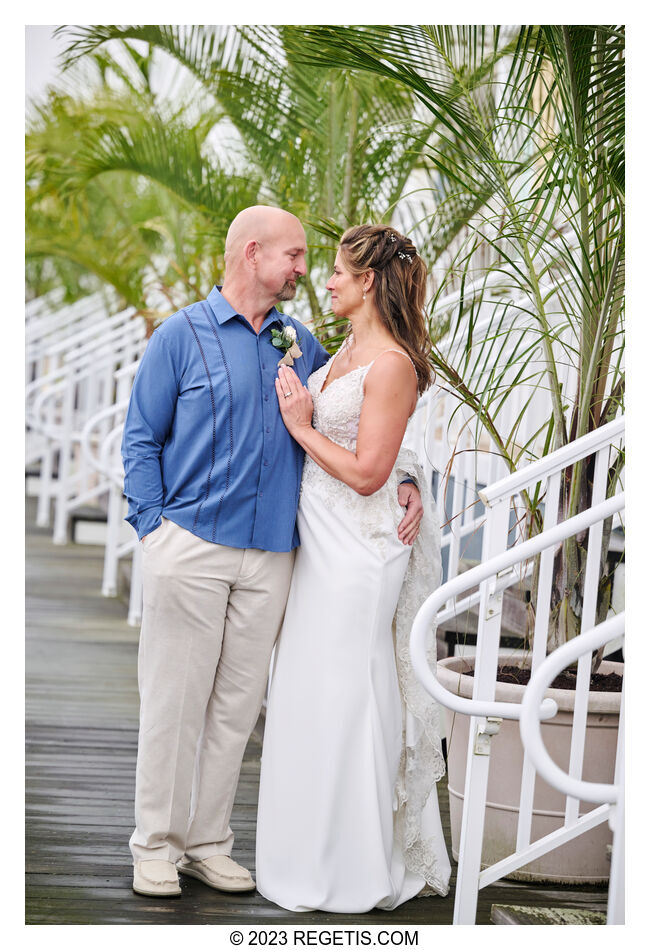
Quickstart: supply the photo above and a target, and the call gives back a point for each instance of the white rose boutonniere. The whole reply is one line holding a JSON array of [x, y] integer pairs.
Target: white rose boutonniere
[[286, 340]]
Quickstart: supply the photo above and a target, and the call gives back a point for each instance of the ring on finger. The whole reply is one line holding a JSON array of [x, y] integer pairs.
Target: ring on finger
[[286, 395]]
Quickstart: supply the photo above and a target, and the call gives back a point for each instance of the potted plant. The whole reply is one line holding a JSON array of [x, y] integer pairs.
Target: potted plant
[[584, 860]]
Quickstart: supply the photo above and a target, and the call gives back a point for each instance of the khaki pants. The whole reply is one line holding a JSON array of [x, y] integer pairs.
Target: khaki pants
[[211, 615]]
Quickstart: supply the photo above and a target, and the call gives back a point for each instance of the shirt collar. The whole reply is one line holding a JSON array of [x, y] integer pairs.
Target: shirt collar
[[223, 311]]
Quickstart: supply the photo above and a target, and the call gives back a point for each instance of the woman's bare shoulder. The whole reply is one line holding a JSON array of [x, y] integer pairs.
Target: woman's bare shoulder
[[393, 362]]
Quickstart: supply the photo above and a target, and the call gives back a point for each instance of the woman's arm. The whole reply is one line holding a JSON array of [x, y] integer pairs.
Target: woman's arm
[[390, 396]]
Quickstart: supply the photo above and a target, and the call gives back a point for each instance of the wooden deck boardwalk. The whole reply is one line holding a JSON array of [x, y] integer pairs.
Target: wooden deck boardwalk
[[81, 731]]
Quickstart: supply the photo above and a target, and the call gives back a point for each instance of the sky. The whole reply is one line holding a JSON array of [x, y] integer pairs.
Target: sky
[[41, 50]]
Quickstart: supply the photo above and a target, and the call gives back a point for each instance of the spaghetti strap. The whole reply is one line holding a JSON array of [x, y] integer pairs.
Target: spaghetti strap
[[327, 382]]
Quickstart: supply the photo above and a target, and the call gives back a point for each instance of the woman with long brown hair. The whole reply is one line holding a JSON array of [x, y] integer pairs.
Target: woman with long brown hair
[[348, 816]]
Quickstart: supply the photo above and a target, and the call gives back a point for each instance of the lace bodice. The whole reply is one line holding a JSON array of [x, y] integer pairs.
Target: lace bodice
[[337, 411]]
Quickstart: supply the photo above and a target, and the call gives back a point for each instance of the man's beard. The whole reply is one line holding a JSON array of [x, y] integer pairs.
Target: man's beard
[[288, 291]]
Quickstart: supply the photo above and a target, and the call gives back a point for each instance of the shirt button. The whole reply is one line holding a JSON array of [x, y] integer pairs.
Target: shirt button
[[266, 399], [263, 365]]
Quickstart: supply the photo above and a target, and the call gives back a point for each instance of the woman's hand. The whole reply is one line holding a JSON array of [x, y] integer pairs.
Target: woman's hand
[[294, 400]]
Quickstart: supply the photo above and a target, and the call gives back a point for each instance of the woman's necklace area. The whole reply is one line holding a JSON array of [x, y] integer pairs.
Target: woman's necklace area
[[350, 359]]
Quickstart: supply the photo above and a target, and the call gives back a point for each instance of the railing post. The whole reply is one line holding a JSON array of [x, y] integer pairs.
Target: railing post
[[46, 474], [135, 600], [481, 730], [542, 610], [113, 521], [616, 896], [592, 571], [60, 535]]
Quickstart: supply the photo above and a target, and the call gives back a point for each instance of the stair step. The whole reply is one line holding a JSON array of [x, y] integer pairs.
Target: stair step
[[32, 485], [32, 479], [514, 914], [88, 513], [88, 525], [94, 532]]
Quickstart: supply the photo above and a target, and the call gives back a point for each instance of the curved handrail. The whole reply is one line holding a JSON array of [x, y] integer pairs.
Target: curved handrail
[[113, 438], [40, 391], [476, 575], [33, 388], [34, 414], [529, 725], [100, 464], [95, 332], [503, 582]]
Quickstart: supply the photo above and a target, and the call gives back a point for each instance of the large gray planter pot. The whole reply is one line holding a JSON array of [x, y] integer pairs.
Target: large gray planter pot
[[584, 860]]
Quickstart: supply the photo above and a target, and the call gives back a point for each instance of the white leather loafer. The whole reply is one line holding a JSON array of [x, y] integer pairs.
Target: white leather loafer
[[156, 879], [220, 872]]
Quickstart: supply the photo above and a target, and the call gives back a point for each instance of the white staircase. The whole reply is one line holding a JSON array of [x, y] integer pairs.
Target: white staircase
[[80, 365], [502, 565]]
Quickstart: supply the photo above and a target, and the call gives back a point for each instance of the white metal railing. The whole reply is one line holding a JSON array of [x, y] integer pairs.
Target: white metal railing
[[103, 456], [599, 793], [498, 558], [51, 341], [80, 363], [434, 604], [42, 333], [45, 332], [44, 304], [60, 403], [599, 439]]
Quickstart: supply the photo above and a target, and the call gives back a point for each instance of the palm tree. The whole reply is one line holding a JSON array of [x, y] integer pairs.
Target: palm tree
[[334, 146], [123, 191], [528, 133]]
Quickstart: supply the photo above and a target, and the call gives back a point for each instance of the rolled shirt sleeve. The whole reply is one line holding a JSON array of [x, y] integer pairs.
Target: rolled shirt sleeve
[[148, 422]]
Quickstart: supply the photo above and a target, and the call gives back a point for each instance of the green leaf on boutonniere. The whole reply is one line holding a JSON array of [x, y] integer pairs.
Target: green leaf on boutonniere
[[286, 340]]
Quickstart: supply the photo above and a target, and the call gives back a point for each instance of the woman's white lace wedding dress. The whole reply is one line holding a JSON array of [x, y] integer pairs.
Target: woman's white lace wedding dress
[[348, 815]]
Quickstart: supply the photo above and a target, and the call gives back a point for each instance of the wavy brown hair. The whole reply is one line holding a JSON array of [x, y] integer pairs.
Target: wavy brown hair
[[399, 285]]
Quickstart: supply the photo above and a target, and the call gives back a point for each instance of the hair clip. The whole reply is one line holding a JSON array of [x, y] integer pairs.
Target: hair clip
[[392, 239], [404, 256]]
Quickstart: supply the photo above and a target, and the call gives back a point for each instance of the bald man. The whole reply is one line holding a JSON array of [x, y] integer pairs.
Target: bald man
[[212, 478]]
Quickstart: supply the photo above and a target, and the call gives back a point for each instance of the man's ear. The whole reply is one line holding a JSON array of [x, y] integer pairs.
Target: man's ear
[[250, 252]]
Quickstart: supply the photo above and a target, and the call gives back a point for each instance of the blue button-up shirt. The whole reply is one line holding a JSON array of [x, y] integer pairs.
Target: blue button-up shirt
[[204, 442]]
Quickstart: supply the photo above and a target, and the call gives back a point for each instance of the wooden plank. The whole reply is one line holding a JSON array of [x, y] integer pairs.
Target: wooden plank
[[504, 914]]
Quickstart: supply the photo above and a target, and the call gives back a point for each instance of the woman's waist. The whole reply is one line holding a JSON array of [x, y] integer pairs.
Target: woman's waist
[[317, 482]]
